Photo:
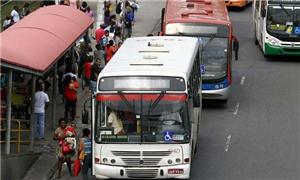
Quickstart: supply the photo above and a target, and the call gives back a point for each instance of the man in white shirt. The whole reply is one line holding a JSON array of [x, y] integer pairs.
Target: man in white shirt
[[14, 13], [41, 100]]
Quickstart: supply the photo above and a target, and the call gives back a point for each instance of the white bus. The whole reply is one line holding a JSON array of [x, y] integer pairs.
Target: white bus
[[147, 109], [277, 26]]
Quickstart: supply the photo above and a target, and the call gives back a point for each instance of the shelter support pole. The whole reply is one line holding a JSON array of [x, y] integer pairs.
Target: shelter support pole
[[8, 112], [32, 124], [54, 93]]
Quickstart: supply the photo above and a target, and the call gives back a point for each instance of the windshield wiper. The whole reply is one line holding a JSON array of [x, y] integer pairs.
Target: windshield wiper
[[209, 41], [157, 100], [124, 99]]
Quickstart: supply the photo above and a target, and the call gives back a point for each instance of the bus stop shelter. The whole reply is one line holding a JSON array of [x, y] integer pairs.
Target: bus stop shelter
[[35, 44]]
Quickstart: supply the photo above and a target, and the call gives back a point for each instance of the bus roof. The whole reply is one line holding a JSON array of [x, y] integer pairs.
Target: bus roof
[[153, 56], [205, 11]]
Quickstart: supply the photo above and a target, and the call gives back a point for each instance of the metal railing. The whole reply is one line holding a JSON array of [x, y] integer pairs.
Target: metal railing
[[18, 130]]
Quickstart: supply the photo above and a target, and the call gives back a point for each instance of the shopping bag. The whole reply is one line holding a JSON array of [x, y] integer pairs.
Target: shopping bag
[[76, 167]]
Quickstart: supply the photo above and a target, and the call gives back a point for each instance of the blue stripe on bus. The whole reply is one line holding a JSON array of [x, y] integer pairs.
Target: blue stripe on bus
[[215, 86]]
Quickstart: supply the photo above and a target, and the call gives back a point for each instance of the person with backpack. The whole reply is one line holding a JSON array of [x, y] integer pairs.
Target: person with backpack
[[85, 152], [129, 18]]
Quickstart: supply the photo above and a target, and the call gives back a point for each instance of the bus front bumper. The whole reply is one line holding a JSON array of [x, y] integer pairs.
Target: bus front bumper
[[219, 94], [177, 172], [277, 50]]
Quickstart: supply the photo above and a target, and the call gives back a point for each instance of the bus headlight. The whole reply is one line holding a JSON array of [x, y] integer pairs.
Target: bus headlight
[[104, 160], [170, 161], [272, 41]]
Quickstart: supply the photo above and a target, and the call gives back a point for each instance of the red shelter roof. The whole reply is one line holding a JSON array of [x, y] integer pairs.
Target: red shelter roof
[[36, 42]]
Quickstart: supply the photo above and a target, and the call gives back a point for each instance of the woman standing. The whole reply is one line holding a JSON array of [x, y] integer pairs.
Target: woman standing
[[59, 135]]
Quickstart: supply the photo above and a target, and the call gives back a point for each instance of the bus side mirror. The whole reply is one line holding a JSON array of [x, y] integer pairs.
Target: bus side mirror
[[162, 19], [196, 100], [263, 13], [85, 112], [236, 46]]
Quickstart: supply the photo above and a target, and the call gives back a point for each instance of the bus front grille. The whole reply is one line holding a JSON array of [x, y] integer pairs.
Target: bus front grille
[[126, 153], [141, 153], [141, 162], [141, 173], [156, 153]]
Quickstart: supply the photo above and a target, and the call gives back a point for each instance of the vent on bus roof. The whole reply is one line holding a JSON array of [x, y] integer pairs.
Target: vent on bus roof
[[195, 1], [148, 60], [201, 12]]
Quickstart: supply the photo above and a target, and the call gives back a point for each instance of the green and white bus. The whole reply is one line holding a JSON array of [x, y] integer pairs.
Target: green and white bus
[[277, 26]]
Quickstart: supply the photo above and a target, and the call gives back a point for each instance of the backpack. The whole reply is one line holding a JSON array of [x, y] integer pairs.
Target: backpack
[[119, 8], [129, 16]]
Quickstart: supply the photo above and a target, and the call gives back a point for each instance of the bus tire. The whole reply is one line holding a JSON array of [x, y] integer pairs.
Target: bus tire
[[255, 39]]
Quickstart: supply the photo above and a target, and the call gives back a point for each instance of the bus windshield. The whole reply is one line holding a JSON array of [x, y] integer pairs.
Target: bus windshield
[[141, 118], [283, 21], [214, 58]]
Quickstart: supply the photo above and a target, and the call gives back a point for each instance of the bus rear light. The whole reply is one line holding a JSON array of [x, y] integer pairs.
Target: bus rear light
[[186, 160], [97, 160], [170, 161], [178, 160]]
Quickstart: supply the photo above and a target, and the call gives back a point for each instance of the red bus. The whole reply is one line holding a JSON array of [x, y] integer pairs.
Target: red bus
[[209, 21]]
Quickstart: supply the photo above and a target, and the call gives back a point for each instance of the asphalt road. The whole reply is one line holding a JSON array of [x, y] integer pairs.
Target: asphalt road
[[256, 135]]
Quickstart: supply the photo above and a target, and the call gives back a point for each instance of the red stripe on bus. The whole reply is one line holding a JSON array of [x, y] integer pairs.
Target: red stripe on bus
[[145, 97]]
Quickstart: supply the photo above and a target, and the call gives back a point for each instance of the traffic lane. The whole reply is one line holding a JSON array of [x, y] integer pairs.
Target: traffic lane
[[265, 138], [147, 17]]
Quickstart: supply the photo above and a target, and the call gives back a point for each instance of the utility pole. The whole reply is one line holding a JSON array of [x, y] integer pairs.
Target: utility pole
[[123, 19]]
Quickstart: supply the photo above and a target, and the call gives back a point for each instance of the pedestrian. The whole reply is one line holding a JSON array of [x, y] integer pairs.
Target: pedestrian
[[83, 6], [110, 50], [15, 15], [74, 3], [70, 87], [129, 18], [41, 101], [99, 55], [99, 33], [6, 22], [117, 39], [85, 151], [59, 135], [107, 17], [96, 69], [87, 73], [84, 50], [25, 10]]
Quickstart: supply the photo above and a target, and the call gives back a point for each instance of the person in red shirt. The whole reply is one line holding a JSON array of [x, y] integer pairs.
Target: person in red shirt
[[110, 50], [70, 86], [99, 33], [87, 73]]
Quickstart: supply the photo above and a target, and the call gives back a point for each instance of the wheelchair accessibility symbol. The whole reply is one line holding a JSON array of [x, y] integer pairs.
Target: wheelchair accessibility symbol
[[168, 136], [297, 30]]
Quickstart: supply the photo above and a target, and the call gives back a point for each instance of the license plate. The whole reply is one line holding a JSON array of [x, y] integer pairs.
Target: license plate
[[175, 171]]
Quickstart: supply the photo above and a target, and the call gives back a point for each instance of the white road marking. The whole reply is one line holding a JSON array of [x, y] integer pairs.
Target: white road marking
[[227, 143], [236, 109], [243, 80]]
